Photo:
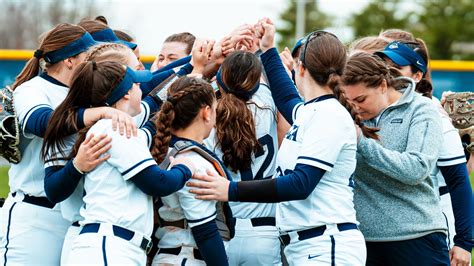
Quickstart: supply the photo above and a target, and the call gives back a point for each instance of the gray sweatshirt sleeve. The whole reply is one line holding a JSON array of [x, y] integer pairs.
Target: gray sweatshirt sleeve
[[414, 164]]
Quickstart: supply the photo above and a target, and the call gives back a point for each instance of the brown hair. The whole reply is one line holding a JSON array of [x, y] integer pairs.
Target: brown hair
[[90, 86], [122, 35], [325, 58], [92, 26], [109, 52], [186, 97], [184, 37], [397, 35], [369, 44], [235, 125], [55, 39]]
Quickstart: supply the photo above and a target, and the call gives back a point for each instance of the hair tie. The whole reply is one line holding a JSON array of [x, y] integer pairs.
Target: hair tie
[[38, 54], [332, 71], [171, 100], [94, 65]]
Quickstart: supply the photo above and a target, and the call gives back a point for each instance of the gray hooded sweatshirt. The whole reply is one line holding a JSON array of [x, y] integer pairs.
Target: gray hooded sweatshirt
[[394, 196]]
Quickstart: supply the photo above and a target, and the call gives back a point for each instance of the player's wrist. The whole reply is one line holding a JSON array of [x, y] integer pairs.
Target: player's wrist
[[78, 169]]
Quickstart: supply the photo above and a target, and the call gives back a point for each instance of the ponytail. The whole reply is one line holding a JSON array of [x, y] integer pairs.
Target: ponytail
[[30, 71], [235, 132], [162, 138]]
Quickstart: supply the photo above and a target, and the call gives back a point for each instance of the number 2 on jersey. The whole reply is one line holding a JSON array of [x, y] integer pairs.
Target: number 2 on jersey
[[247, 175]]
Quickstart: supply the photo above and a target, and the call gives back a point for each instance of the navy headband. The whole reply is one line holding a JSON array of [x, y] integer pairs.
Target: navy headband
[[76, 47], [403, 55], [246, 95], [130, 77], [108, 35]]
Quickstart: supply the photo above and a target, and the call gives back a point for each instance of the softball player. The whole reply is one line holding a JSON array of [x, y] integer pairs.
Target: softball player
[[32, 226], [63, 184], [246, 110], [316, 160], [118, 207], [188, 233]]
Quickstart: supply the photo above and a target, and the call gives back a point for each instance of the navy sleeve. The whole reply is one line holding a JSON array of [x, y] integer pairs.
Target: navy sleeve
[[283, 90], [210, 244], [38, 121], [457, 180], [156, 182], [174, 64], [154, 103], [80, 118], [61, 181], [294, 185], [186, 69], [157, 78]]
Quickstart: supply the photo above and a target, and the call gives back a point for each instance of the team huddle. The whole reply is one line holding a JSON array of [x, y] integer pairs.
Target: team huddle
[[231, 153]]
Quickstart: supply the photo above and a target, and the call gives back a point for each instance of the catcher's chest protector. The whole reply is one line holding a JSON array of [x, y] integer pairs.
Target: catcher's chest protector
[[224, 219], [9, 127]]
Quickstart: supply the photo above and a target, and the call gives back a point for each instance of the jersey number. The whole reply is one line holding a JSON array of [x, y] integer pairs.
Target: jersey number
[[247, 175]]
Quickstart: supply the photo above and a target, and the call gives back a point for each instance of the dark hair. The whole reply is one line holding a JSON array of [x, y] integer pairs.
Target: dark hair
[[122, 35], [235, 125], [369, 44], [186, 97], [55, 39], [92, 26], [183, 37], [90, 86], [325, 59]]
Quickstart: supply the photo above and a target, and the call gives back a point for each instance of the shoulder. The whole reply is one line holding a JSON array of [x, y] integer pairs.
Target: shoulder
[[103, 126], [200, 162], [263, 98]]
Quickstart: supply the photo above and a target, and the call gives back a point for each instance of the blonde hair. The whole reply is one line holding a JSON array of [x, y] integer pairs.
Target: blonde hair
[[369, 44], [109, 52]]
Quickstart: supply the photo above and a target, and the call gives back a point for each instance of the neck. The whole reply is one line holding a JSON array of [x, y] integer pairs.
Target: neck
[[192, 132], [60, 75], [313, 90], [393, 95]]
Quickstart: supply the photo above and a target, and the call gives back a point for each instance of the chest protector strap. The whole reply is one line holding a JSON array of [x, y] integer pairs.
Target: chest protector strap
[[224, 219]]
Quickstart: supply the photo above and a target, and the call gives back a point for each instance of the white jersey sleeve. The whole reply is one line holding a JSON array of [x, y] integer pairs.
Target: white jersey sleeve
[[128, 155], [322, 143], [451, 152], [143, 116]]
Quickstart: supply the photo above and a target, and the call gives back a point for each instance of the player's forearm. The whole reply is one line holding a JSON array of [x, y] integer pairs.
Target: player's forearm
[[460, 190], [283, 90], [61, 181], [210, 243], [156, 182], [296, 185]]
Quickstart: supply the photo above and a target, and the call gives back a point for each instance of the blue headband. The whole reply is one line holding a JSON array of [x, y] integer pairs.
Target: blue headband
[[297, 45], [76, 47], [131, 76], [403, 55], [246, 95], [108, 35]]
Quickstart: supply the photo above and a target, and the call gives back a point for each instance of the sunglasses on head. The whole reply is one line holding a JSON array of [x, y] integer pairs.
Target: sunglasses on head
[[309, 38]]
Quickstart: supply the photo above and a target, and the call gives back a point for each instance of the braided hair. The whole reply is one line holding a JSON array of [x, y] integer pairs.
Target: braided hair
[[186, 97]]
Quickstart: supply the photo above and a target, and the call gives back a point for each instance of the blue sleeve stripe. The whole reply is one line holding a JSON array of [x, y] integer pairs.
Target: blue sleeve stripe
[[202, 219], [135, 166], [450, 159], [296, 110], [148, 136], [38, 119], [27, 116], [315, 160]]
